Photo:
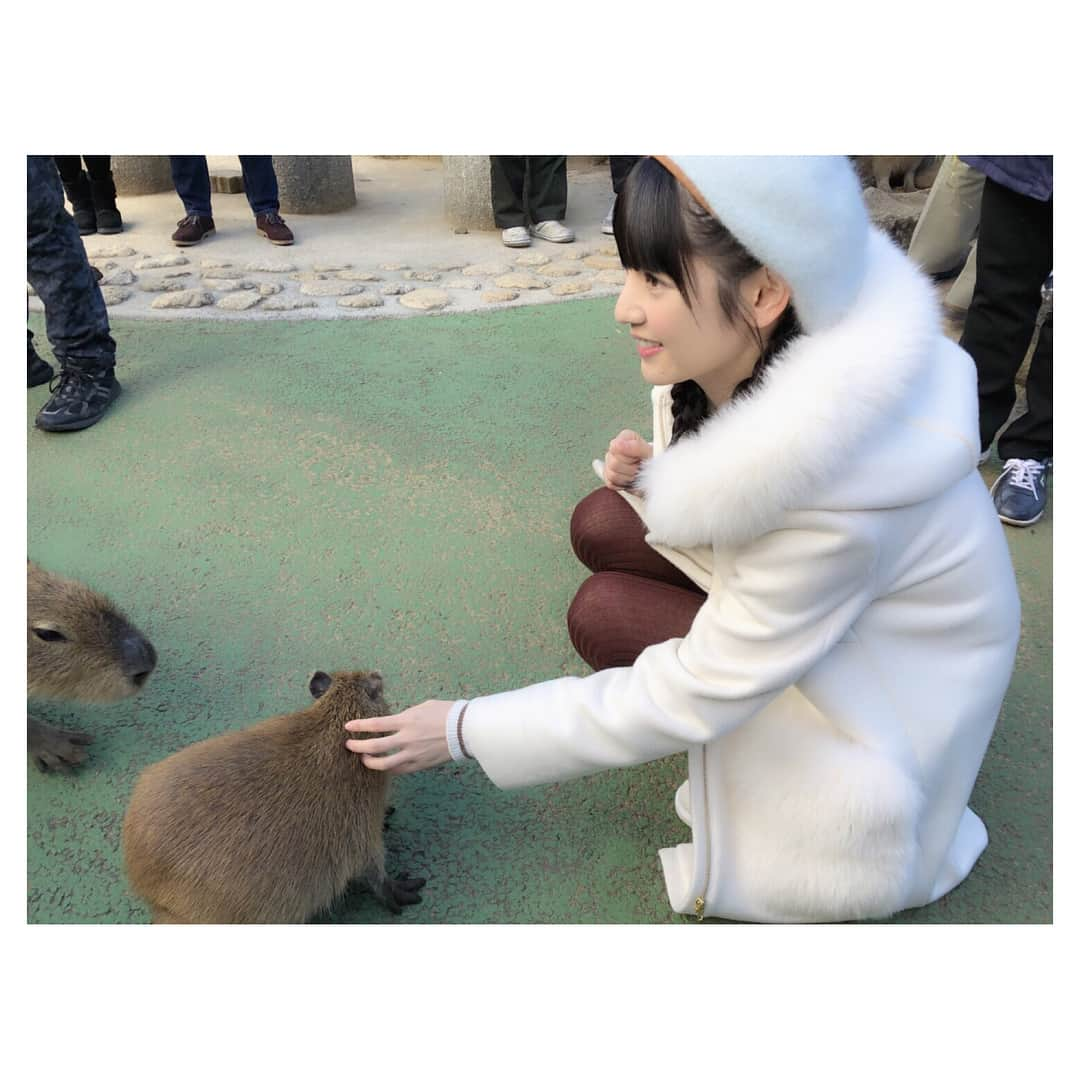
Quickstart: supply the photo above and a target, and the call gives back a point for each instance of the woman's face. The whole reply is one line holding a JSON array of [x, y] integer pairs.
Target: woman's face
[[677, 342]]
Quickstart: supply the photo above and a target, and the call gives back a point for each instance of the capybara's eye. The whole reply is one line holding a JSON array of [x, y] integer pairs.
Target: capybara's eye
[[49, 635]]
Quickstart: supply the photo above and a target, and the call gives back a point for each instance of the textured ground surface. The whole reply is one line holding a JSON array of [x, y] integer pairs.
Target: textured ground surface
[[270, 498]]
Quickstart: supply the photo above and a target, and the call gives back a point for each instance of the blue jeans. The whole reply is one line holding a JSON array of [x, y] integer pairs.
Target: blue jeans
[[191, 178], [76, 322]]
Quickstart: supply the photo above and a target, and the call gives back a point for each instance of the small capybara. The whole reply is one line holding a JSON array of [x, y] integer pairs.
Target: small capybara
[[269, 824], [79, 647]]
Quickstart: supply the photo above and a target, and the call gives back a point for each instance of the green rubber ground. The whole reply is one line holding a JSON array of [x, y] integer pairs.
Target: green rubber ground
[[268, 498]]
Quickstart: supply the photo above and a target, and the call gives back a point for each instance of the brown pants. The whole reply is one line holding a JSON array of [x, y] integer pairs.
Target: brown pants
[[635, 597]]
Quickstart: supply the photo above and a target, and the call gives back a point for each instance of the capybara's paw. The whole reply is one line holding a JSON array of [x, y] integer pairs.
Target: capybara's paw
[[401, 890], [55, 749]]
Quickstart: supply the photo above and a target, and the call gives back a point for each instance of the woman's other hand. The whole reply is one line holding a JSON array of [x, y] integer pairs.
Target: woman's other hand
[[406, 742], [624, 456]]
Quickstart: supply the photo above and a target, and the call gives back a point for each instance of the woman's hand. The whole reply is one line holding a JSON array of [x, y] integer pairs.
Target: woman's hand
[[411, 740], [625, 454]]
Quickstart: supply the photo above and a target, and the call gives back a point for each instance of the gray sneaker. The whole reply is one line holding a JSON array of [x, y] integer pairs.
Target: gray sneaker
[[555, 231], [607, 226], [1019, 493], [518, 236]]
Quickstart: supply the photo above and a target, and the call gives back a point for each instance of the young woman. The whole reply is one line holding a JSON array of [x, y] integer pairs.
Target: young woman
[[802, 581]]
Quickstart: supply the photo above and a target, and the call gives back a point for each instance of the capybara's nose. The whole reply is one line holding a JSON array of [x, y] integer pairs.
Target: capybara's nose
[[138, 658]]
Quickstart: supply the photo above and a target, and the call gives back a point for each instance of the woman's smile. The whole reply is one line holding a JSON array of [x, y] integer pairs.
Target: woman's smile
[[647, 347]]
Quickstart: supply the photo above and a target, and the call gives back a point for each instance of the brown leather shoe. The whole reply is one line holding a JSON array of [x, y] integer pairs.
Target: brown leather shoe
[[273, 228], [192, 229]]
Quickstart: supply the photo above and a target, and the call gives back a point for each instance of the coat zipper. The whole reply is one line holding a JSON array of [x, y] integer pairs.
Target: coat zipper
[[700, 810]]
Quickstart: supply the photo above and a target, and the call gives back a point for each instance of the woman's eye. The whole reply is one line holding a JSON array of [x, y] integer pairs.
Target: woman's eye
[[652, 279]]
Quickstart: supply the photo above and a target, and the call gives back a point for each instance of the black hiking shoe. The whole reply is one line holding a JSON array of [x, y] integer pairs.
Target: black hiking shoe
[[79, 399], [37, 370]]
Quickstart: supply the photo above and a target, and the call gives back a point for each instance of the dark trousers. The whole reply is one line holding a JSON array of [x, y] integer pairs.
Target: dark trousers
[[1013, 258], [56, 265], [191, 178], [528, 189], [98, 167], [620, 170], [635, 598]]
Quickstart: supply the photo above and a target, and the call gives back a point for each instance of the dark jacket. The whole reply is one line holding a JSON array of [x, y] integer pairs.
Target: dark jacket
[[1031, 175]]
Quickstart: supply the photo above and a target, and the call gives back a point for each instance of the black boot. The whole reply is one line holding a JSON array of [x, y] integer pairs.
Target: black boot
[[105, 212], [82, 204], [37, 370]]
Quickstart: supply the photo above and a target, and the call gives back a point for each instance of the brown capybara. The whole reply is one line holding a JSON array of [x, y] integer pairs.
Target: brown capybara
[[79, 647], [269, 824]]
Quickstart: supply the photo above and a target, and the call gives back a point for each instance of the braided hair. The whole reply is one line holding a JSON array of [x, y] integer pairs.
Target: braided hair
[[659, 228]]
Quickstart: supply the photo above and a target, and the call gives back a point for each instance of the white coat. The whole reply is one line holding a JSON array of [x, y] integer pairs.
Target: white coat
[[838, 688]]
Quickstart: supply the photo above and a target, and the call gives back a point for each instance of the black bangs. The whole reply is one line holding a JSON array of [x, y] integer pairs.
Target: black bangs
[[650, 231]]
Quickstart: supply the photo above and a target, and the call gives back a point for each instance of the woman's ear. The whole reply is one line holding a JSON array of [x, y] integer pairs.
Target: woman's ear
[[768, 296]]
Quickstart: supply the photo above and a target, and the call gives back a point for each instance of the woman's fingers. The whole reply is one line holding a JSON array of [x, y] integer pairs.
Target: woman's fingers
[[385, 745]]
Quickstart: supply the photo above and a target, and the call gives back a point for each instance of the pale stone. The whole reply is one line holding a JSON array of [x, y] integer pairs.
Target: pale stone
[[574, 253], [568, 288], [451, 264], [113, 294], [330, 288], [426, 299], [118, 252], [562, 269], [421, 275], [269, 266], [359, 275], [533, 258], [498, 296], [485, 269], [286, 303], [184, 298], [153, 262], [393, 266], [117, 277], [214, 264], [330, 267], [178, 273], [307, 275], [269, 288], [224, 273], [367, 300], [227, 284], [461, 283], [159, 285], [603, 262], [609, 248], [611, 277], [239, 301], [520, 280], [397, 288]]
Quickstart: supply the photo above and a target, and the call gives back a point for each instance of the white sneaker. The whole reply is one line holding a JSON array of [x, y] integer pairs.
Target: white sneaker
[[608, 225], [555, 231], [518, 236]]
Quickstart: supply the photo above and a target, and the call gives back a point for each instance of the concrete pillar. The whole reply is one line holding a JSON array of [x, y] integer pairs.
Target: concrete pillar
[[467, 193], [141, 175], [315, 184]]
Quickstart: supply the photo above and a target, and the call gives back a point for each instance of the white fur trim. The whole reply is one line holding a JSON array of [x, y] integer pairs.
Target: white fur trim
[[757, 458]]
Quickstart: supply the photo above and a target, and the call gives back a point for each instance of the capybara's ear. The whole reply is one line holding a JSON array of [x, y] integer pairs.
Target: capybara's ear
[[320, 683], [373, 684]]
